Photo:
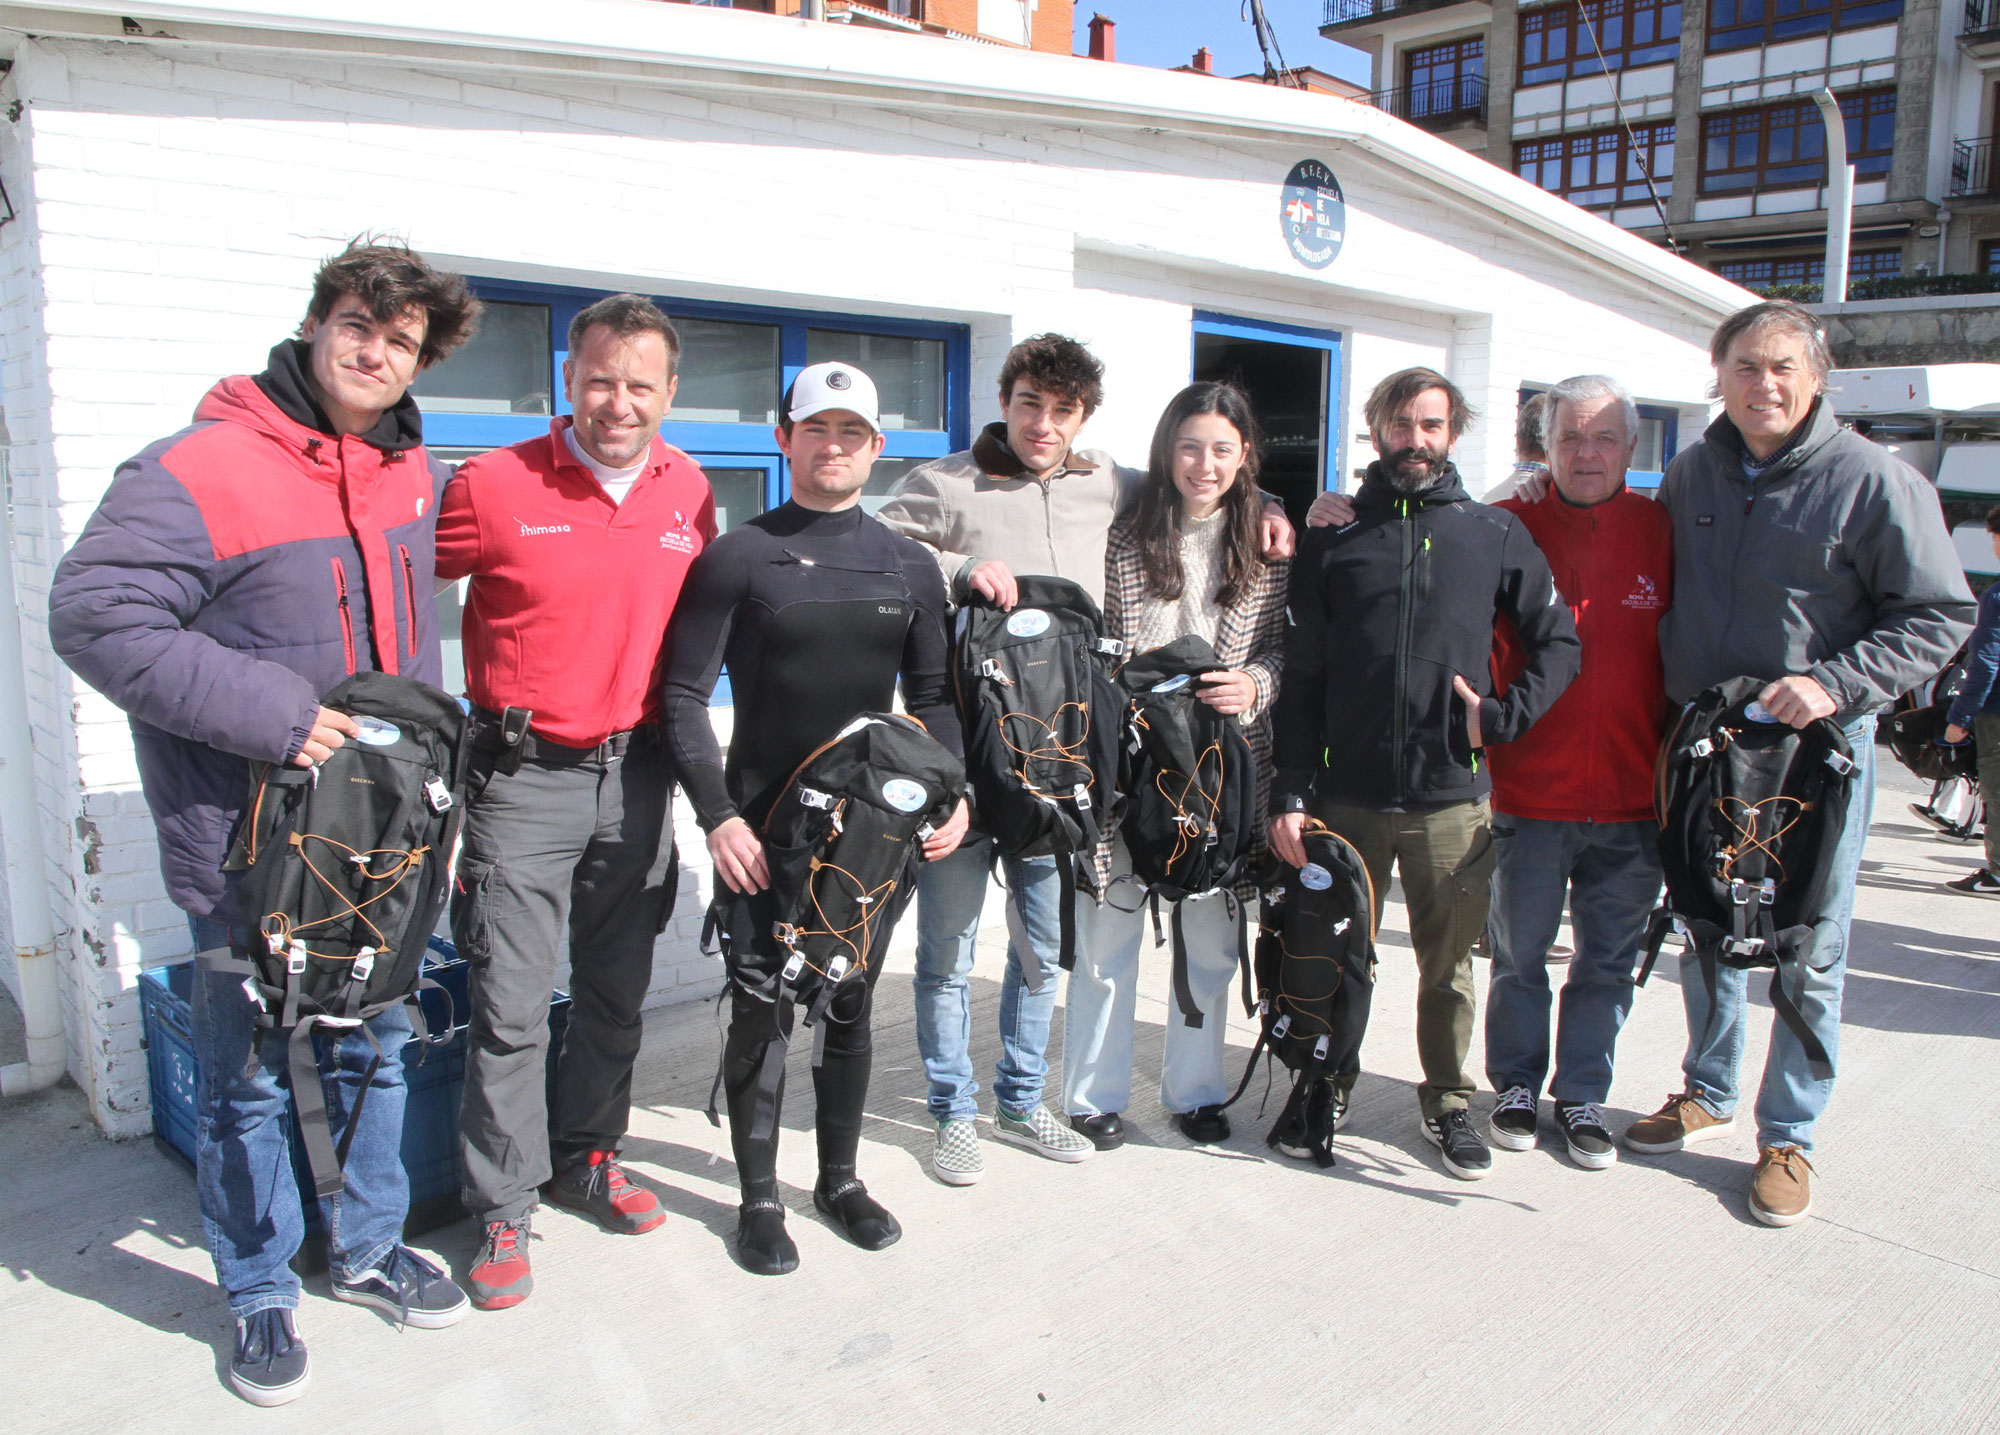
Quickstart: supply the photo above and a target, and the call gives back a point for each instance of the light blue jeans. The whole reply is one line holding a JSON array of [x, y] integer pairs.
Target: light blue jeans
[[1608, 875], [1098, 1013], [250, 1202], [1790, 1099], [950, 894]]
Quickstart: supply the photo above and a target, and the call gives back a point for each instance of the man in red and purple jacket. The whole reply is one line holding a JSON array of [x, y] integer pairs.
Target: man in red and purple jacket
[[576, 543], [1573, 796], [232, 575]]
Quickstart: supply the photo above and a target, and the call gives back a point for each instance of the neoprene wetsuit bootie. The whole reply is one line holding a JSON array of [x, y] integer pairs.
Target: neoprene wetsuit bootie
[[762, 1247], [858, 1215]]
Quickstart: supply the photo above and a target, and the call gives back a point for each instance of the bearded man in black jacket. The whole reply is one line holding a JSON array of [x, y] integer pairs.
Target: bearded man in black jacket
[[1386, 702]]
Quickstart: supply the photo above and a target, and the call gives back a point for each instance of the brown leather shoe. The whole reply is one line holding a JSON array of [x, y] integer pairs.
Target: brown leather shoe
[[1781, 1191], [1681, 1122]]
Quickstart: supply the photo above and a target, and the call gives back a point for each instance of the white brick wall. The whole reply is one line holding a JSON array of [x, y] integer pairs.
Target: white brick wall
[[174, 203]]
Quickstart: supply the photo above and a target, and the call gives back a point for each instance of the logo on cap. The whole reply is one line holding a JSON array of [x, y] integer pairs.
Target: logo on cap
[[837, 379]]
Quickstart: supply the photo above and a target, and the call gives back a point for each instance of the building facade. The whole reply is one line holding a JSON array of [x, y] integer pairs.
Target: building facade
[[1693, 123], [791, 191]]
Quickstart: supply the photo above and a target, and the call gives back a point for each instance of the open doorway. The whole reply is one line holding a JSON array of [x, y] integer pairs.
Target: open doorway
[[1290, 375]]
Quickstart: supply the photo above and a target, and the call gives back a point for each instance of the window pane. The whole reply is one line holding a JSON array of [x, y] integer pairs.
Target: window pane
[[883, 478], [728, 372], [503, 369], [908, 373], [739, 494]]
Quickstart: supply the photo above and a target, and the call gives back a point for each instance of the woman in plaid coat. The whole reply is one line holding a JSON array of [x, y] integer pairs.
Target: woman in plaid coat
[[1186, 559]]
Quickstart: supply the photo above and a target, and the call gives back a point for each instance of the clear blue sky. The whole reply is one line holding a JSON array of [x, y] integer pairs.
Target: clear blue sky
[[1168, 32]]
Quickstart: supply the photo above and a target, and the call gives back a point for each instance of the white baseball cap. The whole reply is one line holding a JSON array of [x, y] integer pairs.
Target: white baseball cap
[[821, 387]]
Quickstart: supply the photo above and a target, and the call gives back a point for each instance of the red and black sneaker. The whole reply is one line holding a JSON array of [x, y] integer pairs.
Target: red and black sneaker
[[499, 1276], [597, 1187]]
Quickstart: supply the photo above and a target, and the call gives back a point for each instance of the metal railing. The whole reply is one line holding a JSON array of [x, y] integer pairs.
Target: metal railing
[[1339, 12], [1980, 16], [1437, 104], [1972, 171]]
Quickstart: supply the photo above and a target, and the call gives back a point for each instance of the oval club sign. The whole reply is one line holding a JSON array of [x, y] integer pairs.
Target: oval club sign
[[1312, 214]]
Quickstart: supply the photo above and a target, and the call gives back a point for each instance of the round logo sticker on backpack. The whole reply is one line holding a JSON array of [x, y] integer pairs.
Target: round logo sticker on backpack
[[1757, 712], [1173, 684], [377, 733], [1315, 876], [904, 795], [1028, 623]]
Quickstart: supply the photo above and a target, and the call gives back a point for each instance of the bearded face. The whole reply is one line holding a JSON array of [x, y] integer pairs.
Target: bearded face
[[1414, 467], [1415, 443]]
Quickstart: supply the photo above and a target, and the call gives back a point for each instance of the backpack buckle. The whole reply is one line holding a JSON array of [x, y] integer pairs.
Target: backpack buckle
[[793, 968], [1111, 647], [1081, 794], [815, 799], [785, 932], [1284, 1025], [1702, 748], [1743, 946], [1767, 892], [1342, 925], [991, 669], [364, 963], [1739, 892], [1320, 1049], [295, 959], [437, 794], [1843, 766], [926, 832], [836, 969]]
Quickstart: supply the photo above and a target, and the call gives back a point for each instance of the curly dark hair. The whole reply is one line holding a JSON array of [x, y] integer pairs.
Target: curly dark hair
[[1159, 515], [1055, 364], [391, 279]]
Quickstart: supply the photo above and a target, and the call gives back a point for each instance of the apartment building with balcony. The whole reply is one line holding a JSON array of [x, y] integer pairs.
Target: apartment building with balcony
[[1693, 123]]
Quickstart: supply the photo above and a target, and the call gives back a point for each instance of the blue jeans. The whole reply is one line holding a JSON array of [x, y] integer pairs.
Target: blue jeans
[[950, 894], [1099, 1012], [1790, 1099], [250, 1204], [1608, 874]]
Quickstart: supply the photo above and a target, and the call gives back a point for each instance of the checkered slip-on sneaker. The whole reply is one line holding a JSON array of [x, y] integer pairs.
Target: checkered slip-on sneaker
[[1042, 1133], [957, 1160]]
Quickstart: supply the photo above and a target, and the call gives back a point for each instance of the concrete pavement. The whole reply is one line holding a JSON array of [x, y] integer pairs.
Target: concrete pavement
[[1159, 1285]]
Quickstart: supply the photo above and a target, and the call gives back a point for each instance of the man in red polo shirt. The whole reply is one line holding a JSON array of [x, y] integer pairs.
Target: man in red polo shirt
[[1573, 796], [576, 543]]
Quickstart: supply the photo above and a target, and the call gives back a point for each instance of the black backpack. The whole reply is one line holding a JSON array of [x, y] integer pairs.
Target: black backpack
[[1041, 715], [1751, 811], [842, 842], [1190, 784], [1315, 981], [345, 873], [1916, 729]]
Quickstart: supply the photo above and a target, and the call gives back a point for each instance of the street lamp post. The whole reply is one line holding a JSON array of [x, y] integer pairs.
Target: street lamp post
[[1839, 199]]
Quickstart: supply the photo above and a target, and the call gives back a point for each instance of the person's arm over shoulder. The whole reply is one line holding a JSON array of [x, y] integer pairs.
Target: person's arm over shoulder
[[1552, 654], [919, 508], [697, 640], [1299, 716], [1897, 541], [926, 670], [1982, 661], [458, 549], [120, 607]]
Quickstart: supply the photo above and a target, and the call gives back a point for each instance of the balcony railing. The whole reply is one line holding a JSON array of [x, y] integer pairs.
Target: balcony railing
[[1980, 16], [1972, 172], [1340, 12], [1437, 104]]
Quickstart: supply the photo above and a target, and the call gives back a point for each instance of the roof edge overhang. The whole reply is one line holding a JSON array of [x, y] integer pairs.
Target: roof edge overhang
[[697, 46]]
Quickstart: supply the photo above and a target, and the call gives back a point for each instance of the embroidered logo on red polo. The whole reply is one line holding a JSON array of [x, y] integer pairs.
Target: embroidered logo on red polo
[[679, 538], [1645, 595]]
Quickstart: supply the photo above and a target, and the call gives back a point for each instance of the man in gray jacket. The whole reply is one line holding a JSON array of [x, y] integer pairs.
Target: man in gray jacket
[[1806, 555]]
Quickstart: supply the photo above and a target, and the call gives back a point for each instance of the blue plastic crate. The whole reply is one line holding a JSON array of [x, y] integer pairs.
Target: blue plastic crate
[[430, 1116]]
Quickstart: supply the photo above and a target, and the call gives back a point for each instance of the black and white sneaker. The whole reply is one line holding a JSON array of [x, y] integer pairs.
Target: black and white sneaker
[[270, 1366], [1590, 1143], [410, 1288], [1514, 1120], [1465, 1155], [1980, 883]]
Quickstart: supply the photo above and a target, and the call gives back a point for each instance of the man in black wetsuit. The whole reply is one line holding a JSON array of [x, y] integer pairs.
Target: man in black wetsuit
[[816, 609]]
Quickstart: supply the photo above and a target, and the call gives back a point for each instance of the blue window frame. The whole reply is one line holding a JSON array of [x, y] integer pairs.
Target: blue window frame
[[931, 377], [1292, 376]]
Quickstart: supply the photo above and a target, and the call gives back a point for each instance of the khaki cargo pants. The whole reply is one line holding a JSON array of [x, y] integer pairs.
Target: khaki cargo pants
[[1445, 857]]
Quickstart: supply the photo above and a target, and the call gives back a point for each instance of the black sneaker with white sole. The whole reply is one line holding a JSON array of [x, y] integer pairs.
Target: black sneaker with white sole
[[1590, 1142], [1465, 1155], [1515, 1119], [270, 1366], [1980, 883], [408, 1287]]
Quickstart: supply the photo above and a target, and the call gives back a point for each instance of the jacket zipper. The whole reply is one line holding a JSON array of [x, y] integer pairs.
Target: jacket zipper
[[346, 612], [1401, 729], [409, 595]]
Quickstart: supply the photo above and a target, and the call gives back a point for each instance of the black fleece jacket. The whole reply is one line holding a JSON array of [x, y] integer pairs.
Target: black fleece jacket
[[1384, 613]]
